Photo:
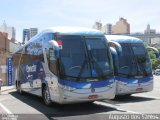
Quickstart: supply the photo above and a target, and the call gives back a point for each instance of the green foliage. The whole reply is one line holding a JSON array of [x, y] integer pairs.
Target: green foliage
[[152, 55], [155, 61], [158, 49], [146, 44]]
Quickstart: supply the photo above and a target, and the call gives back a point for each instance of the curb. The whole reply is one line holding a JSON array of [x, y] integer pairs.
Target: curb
[[7, 89]]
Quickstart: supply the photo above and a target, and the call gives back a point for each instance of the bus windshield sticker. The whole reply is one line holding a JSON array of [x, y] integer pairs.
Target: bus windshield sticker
[[60, 44]]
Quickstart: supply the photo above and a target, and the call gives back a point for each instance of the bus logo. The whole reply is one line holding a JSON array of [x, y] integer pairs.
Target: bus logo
[[92, 90], [31, 68]]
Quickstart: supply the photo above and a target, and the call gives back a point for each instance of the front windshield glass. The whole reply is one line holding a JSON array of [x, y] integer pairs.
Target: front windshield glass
[[72, 56], [99, 55], [75, 60], [134, 60], [142, 58]]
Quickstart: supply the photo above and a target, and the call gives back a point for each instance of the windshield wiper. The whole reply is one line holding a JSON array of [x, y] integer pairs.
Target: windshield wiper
[[142, 68], [136, 62], [98, 68], [81, 70]]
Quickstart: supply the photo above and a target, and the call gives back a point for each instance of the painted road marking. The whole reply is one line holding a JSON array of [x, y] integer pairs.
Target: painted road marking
[[146, 96], [6, 109], [112, 106], [9, 115]]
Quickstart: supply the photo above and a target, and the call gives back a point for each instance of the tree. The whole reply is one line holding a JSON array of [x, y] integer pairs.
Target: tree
[[155, 61]]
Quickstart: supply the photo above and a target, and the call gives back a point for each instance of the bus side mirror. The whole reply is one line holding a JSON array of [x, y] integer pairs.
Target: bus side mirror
[[55, 47], [114, 53], [155, 51], [117, 47]]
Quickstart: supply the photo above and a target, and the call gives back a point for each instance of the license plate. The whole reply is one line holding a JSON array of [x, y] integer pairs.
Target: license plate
[[139, 89], [92, 96]]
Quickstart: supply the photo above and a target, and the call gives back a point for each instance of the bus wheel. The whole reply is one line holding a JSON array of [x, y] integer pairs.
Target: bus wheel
[[19, 89], [123, 96], [127, 95], [46, 96]]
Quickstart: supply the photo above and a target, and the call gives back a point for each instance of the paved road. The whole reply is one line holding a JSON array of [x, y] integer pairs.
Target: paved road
[[32, 107]]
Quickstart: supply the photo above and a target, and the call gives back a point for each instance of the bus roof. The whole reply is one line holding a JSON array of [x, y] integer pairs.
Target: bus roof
[[67, 31], [123, 39], [73, 30]]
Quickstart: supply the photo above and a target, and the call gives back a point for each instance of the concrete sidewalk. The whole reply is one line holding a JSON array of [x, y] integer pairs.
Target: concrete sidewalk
[[6, 88]]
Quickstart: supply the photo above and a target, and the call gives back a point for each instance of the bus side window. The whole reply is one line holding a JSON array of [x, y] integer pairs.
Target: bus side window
[[51, 60], [49, 51], [51, 54]]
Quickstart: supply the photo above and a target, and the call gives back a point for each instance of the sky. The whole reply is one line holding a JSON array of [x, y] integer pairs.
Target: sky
[[48, 13]]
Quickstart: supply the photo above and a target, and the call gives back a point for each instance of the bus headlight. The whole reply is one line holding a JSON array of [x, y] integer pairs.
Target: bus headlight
[[111, 85], [68, 88], [122, 83]]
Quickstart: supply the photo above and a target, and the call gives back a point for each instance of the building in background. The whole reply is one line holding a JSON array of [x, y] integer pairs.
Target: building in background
[[33, 32], [7, 47], [8, 29], [28, 34], [107, 29], [149, 31], [97, 25], [4, 51], [121, 27]]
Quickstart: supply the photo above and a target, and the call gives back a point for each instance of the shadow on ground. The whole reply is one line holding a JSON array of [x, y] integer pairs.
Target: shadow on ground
[[131, 99], [57, 110]]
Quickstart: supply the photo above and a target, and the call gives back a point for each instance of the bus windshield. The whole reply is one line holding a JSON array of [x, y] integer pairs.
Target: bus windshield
[[84, 57], [134, 60]]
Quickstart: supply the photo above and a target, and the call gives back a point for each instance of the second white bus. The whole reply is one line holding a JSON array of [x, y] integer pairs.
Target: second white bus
[[133, 70]]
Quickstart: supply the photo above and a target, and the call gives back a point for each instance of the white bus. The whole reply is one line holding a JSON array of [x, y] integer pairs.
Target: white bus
[[133, 71], [65, 65]]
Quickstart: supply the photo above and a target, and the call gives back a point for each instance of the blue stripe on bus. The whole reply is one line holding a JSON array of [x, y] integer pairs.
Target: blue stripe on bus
[[134, 80], [92, 84]]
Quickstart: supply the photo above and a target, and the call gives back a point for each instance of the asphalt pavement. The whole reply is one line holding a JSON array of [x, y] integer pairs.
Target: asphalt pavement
[[27, 106]]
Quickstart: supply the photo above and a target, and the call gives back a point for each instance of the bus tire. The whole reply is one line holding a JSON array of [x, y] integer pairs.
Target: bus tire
[[46, 96], [127, 95], [19, 89], [122, 96]]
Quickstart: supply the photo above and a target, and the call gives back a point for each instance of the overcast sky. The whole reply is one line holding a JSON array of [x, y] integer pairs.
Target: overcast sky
[[46, 13]]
